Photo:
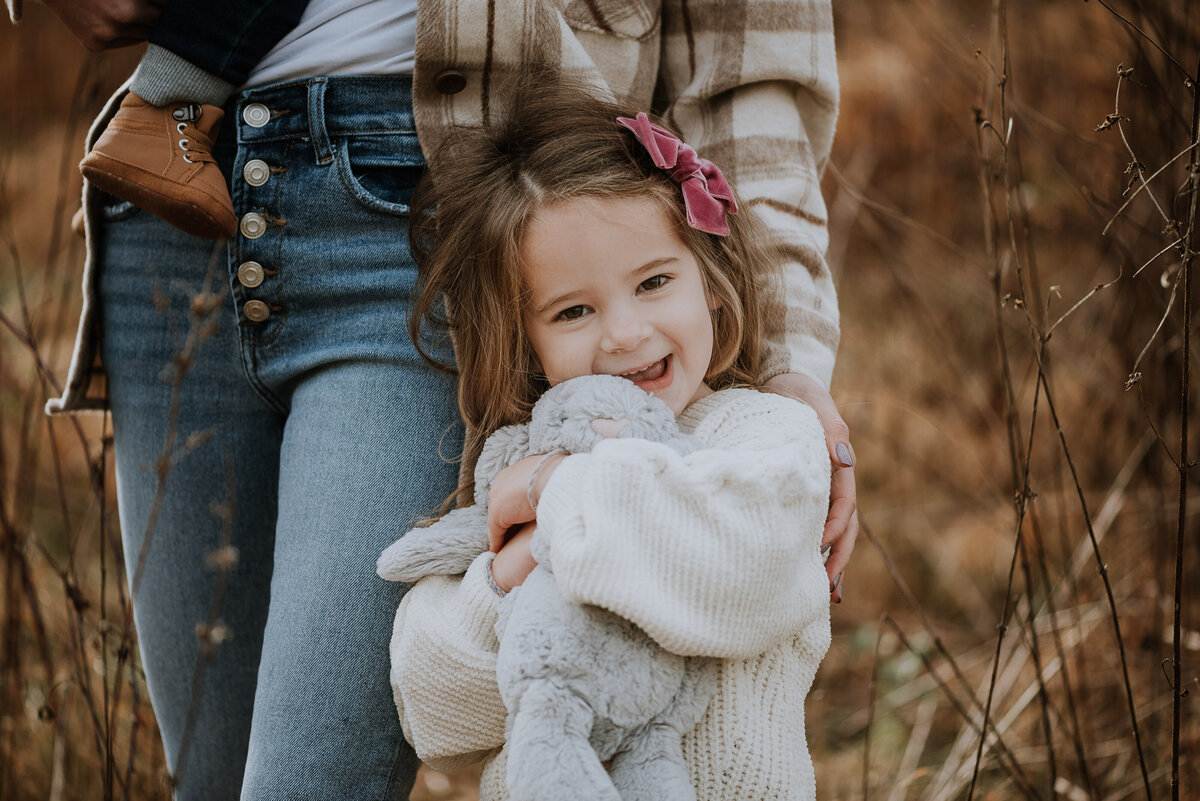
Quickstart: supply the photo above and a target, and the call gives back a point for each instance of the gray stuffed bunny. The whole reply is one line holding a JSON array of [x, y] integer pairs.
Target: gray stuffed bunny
[[581, 684]]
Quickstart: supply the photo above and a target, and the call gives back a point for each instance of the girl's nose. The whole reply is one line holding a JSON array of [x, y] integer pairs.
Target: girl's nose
[[625, 331]]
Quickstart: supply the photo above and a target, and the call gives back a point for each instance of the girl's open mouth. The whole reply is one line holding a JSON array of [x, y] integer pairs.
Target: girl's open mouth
[[654, 377]]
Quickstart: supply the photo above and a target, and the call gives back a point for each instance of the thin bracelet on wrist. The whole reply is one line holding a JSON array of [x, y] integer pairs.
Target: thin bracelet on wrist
[[491, 579], [533, 476]]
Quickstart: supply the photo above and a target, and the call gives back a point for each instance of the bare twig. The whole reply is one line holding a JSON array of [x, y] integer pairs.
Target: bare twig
[[866, 772], [204, 306], [1007, 760], [1149, 39], [1177, 633], [212, 632]]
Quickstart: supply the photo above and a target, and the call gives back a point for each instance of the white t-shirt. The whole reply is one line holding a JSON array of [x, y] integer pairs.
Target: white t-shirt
[[344, 37]]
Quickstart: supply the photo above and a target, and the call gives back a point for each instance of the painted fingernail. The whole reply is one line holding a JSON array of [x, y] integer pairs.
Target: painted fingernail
[[845, 454], [841, 591], [826, 548], [837, 582]]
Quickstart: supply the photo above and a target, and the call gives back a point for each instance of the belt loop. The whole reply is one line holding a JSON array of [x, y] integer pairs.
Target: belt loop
[[316, 121]]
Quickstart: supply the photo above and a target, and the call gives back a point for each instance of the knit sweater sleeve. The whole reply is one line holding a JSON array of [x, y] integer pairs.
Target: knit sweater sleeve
[[716, 553], [444, 668]]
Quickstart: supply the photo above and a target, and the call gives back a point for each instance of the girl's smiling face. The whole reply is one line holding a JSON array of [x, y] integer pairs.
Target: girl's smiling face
[[613, 289]]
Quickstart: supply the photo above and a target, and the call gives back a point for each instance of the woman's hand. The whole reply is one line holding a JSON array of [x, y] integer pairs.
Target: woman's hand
[[841, 525], [513, 562], [508, 502], [105, 24]]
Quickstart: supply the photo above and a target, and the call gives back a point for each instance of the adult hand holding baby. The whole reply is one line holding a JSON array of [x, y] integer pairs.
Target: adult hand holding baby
[[107, 24]]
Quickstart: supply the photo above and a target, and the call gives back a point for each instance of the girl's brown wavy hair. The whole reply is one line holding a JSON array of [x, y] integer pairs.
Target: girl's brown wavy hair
[[557, 142]]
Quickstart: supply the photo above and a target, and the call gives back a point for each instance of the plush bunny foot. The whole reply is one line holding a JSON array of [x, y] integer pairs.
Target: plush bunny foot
[[651, 767], [549, 756]]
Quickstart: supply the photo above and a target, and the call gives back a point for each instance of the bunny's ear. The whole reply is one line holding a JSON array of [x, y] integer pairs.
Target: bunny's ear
[[504, 447], [445, 548]]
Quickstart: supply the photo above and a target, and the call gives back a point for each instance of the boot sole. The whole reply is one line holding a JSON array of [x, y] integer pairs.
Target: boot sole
[[103, 172]]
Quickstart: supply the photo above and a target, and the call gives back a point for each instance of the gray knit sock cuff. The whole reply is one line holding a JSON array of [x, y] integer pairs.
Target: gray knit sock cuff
[[163, 77]]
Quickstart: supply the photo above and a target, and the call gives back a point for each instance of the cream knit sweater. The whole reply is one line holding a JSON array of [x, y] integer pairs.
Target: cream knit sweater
[[716, 554]]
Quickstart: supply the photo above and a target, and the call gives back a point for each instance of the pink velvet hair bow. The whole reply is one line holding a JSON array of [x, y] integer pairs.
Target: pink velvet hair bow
[[707, 197]]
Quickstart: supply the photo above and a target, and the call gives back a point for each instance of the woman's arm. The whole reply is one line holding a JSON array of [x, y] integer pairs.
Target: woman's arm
[[444, 668], [716, 553], [754, 87]]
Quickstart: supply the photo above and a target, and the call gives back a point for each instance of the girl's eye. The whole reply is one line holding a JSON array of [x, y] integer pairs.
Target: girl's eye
[[571, 313], [654, 282]]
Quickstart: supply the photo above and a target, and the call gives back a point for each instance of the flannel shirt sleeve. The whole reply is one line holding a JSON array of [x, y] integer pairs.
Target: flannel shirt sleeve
[[752, 85]]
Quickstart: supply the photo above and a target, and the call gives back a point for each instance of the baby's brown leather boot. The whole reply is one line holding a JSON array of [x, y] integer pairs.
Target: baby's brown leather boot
[[160, 159]]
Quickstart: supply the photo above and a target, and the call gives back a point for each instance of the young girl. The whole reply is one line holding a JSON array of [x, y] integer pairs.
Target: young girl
[[567, 242]]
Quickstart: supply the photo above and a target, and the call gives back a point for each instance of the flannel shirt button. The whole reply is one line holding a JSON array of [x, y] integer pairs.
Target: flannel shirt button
[[450, 82]]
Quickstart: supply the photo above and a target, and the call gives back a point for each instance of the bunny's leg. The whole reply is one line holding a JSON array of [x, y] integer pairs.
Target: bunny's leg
[[651, 767], [549, 756]]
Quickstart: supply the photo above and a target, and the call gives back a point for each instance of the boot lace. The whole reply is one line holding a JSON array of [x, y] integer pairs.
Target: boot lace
[[196, 145]]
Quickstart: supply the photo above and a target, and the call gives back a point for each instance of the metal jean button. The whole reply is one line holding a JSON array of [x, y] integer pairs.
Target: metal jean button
[[256, 311], [250, 273], [256, 172], [253, 225], [256, 115]]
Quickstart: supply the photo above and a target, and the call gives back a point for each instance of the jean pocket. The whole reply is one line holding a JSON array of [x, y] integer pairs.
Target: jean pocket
[[378, 175]]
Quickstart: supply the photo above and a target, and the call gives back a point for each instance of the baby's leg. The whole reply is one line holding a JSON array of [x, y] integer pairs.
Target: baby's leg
[[200, 50], [157, 152]]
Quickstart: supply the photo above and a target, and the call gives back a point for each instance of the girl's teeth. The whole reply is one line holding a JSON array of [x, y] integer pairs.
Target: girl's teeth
[[647, 373]]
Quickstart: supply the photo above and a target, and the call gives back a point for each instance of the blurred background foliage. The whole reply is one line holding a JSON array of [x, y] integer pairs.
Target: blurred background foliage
[[995, 253]]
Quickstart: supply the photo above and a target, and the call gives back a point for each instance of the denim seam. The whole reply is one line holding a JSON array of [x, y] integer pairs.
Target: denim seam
[[316, 122], [359, 193], [250, 369], [333, 133]]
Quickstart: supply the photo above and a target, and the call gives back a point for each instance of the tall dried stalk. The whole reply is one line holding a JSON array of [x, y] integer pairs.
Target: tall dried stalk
[[1177, 690]]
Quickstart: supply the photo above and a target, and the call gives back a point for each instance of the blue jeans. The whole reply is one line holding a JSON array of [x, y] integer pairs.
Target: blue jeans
[[307, 430]]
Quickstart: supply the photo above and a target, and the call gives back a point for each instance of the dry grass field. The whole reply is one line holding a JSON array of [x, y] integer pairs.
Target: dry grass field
[[1013, 198]]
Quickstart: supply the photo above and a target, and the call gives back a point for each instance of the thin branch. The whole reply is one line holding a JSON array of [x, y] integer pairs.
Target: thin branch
[[1145, 185], [1177, 666], [1007, 760], [1150, 39]]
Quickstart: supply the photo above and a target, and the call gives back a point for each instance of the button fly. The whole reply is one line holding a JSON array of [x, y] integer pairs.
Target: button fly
[[253, 225], [256, 172], [256, 311], [251, 273], [256, 115]]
